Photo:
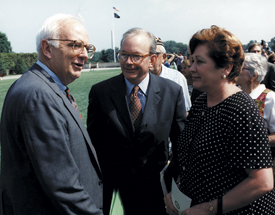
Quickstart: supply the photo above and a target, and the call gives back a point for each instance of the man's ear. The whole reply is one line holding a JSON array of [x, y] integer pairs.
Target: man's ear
[[254, 77], [46, 49], [153, 60]]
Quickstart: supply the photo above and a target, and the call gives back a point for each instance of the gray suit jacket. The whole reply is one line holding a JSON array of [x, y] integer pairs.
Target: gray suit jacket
[[48, 164], [129, 162]]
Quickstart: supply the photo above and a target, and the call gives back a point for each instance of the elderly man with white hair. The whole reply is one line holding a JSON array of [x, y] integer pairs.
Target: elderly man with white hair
[[160, 70]]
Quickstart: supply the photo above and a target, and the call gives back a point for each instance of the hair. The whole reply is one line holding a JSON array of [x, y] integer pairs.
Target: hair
[[251, 46], [224, 48], [139, 31], [257, 65], [161, 48], [271, 58], [51, 29], [186, 62]]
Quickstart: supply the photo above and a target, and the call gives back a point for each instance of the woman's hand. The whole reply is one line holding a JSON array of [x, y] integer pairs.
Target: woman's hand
[[201, 209], [170, 209]]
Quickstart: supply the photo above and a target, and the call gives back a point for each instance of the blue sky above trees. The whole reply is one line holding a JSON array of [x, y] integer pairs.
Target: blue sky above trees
[[174, 20]]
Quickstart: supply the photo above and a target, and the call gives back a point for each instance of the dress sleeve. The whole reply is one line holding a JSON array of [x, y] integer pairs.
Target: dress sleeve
[[249, 145]]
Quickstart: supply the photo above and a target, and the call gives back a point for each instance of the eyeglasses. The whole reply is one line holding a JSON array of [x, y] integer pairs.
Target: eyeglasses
[[78, 47], [135, 58], [245, 68], [157, 53]]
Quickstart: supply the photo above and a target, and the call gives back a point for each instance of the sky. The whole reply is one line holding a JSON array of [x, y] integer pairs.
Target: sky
[[174, 20]]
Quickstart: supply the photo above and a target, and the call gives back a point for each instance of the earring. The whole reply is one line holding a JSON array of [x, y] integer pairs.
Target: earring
[[224, 76]]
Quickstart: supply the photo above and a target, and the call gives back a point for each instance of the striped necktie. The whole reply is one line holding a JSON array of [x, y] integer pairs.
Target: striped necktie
[[72, 100]]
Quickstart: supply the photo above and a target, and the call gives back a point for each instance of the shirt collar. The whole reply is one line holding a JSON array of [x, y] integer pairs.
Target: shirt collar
[[142, 85], [257, 91], [53, 76]]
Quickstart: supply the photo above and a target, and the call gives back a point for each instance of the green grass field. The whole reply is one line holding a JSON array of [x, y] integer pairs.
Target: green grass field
[[80, 88]]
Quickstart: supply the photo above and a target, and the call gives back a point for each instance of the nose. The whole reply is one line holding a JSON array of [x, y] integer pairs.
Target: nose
[[192, 68], [129, 60], [84, 54]]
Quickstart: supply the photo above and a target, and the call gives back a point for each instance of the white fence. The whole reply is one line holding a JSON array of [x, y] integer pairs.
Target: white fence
[[101, 65]]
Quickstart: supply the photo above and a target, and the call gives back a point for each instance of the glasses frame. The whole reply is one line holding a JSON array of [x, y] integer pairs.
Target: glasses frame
[[245, 68], [131, 57], [83, 45]]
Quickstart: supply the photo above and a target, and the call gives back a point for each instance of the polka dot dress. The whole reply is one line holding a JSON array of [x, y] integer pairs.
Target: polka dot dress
[[216, 147]]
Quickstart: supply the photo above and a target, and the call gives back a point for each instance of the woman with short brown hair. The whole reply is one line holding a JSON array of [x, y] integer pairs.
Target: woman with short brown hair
[[224, 157]]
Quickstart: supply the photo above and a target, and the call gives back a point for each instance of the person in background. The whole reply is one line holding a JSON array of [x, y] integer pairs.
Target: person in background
[[48, 162], [130, 120], [266, 47], [179, 59], [187, 74], [249, 80], [160, 70], [269, 80], [271, 58], [223, 153], [168, 61]]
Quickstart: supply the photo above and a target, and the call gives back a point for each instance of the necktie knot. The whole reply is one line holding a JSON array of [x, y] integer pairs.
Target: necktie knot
[[135, 90]]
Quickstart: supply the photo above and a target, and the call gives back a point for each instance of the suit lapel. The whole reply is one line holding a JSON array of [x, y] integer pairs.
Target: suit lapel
[[118, 96], [119, 99], [149, 114], [46, 77]]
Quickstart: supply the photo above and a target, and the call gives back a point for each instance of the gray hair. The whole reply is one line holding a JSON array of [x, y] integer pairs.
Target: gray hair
[[140, 31], [51, 29], [161, 48], [257, 65]]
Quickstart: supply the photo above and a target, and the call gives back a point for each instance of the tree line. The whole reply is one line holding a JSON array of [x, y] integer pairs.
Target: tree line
[[18, 63]]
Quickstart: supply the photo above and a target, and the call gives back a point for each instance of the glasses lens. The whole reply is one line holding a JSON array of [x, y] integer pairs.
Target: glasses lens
[[78, 47], [136, 58], [90, 50], [122, 56]]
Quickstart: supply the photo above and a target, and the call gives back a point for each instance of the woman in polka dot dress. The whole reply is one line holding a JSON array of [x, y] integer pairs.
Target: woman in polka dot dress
[[223, 154]]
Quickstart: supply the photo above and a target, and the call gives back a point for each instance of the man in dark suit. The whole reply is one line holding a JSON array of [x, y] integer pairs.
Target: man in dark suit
[[133, 154], [48, 163]]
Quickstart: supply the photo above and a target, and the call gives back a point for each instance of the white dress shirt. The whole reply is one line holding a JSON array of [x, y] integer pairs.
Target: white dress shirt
[[179, 78], [269, 109]]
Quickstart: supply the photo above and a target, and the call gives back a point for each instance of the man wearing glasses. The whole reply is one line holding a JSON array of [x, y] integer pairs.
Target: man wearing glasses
[[48, 163], [130, 118]]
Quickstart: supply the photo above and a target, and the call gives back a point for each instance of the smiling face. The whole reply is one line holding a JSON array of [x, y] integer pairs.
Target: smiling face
[[206, 76], [63, 61], [138, 44]]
